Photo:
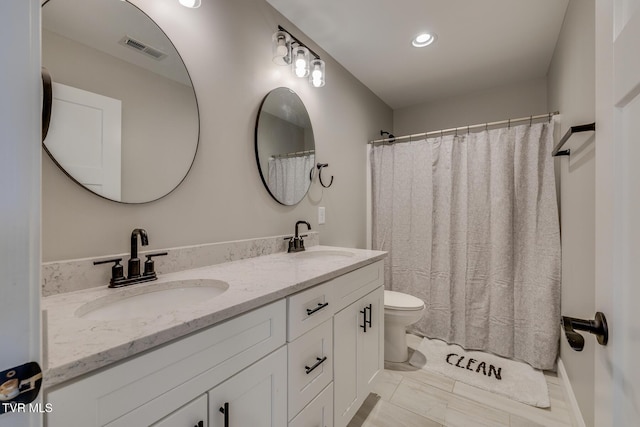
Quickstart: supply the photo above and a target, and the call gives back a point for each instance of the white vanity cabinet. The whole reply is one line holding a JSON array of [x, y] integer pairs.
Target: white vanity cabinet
[[358, 353], [303, 361], [157, 385], [350, 337]]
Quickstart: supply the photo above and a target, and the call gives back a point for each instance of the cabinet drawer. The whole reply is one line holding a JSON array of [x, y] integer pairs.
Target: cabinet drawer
[[318, 413], [308, 309], [353, 286], [310, 366], [191, 414]]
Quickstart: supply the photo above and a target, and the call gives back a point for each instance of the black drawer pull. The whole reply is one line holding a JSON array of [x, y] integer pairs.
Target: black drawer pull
[[225, 410], [318, 308], [318, 363]]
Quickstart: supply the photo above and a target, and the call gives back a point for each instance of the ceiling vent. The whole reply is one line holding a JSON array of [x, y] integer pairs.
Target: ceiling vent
[[154, 53]]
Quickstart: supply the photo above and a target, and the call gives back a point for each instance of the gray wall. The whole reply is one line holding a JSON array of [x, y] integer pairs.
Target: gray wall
[[571, 82], [226, 46], [500, 103]]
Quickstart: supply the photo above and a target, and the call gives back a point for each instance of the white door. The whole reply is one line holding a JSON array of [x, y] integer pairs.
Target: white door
[[372, 354], [617, 394], [358, 350], [193, 414], [20, 152], [255, 397], [85, 138], [346, 335]]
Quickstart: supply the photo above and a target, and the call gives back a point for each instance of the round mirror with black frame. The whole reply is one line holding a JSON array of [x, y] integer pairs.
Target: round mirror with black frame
[[285, 146], [124, 122]]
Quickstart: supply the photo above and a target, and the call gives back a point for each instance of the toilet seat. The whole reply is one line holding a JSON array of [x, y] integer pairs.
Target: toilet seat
[[403, 302]]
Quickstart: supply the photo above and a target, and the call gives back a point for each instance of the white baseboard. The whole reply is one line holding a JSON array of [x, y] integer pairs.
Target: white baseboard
[[570, 396]]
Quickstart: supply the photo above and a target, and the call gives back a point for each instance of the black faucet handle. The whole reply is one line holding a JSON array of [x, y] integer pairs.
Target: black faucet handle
[[106, 261], [149, 268], [117, 271], [149, 256]]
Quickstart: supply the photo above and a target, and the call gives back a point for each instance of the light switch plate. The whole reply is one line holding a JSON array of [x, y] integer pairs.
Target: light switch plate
[[321, 215]]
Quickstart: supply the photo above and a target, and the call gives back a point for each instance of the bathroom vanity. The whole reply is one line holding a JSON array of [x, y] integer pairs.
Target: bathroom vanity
[[287, 339]]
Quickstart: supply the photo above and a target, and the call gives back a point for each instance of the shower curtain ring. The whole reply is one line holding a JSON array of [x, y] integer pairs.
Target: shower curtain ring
[[509, 125], [530, 120], [467, 130]]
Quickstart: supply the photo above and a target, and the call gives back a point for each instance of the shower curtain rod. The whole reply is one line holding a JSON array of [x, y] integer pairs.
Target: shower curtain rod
[[294, 154], [508, 122]]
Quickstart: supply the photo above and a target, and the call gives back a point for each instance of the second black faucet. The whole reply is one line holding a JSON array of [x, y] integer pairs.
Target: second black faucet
[[296, 243]]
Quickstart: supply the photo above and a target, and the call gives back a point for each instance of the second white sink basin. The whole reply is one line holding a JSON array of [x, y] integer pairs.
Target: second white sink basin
[[152, 300]]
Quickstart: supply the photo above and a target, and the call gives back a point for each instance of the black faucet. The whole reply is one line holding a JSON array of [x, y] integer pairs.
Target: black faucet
[[117, 273], [296, 244], [302, 222], [134, 261]]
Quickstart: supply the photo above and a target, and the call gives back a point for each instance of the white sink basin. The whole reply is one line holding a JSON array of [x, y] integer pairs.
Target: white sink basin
[[325, 254], [152, 300]]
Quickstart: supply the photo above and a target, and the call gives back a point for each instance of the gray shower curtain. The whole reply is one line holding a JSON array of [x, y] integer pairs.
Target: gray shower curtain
[[471, 226]]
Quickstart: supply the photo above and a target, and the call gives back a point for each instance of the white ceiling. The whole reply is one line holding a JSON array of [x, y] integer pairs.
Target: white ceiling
[[481, 43]]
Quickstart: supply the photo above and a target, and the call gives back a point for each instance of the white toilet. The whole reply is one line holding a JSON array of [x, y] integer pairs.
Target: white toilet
[[400, 311]]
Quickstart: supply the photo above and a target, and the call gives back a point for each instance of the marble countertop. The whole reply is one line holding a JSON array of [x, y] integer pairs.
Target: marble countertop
[[75, 346]]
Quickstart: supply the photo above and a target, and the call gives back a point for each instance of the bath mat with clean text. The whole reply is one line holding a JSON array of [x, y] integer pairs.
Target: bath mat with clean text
[[515, 380]]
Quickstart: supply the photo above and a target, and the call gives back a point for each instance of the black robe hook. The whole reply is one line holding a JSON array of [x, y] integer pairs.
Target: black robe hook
[[320, 166]]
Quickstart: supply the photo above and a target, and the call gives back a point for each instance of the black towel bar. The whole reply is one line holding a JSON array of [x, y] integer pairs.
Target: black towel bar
[[573, 129]]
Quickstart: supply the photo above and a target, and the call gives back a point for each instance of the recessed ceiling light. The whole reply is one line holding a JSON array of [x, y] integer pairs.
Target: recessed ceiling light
[[424, 39]]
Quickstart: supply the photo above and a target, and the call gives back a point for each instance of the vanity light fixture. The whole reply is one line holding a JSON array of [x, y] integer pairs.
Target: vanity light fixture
[[423, 39], [301, 61], [316, 78], [288, 50], [191, 3], [281, 47]]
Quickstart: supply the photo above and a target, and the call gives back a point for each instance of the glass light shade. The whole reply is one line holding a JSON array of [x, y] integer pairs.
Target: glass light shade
[[300, 61], [191, 3], [316, 78], [281, 48]]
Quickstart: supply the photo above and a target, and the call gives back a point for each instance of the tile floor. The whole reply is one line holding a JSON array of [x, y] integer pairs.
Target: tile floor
[[409, 397]]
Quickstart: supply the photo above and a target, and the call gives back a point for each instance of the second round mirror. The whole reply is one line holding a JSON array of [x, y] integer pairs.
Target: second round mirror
[[285, 146]]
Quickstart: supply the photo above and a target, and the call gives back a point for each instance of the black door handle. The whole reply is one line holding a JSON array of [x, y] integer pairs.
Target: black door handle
[[225, 410], [319, 362], [366, 322]]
